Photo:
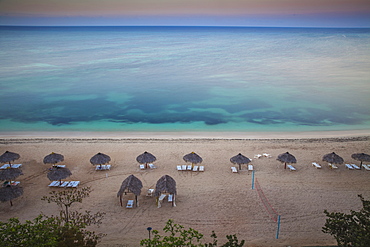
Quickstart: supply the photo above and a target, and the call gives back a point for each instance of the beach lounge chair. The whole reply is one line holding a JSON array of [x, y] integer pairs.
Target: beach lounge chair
[[316, 165], [257, 156], [355, 166], [142, 167], [189, 168], [179, 168], [195, 168], [14, 182], [233, 169], [60, 166], [150, 192], [367, 167], [349, 166], [130, 204], [291, 168], [170, 198], [151, 166], [64, 184], [332, 166], [183, 167], [73, 184], [201, 168], [267, 155], [250, 167], [54, 184]]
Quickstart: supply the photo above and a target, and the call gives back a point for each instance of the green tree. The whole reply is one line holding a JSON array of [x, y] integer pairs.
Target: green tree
[[177, 236], [66, 198], [38, 232], [350, 229]]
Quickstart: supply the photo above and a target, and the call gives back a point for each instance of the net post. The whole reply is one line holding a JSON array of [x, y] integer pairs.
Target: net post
[[253, 180], [278, 227]]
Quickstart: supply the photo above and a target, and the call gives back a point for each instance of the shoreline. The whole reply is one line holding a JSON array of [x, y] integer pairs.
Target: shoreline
[[182, 135]]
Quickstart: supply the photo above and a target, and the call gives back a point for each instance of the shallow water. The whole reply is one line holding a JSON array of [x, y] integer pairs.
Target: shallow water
[[184, 79]]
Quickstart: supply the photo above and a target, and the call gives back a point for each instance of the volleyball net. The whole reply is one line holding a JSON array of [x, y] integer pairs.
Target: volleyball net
[[271, 211]]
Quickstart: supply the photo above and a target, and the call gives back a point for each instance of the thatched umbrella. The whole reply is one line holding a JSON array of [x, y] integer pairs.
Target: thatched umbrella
[[10, 174], [146, 158], [100, 159], [333, 158], [166, 184], [10, 192], [193, 158], [53, 158], [8, 157], [58, 173], [240, 159], [286, 158], [361, 157], [130, 184]]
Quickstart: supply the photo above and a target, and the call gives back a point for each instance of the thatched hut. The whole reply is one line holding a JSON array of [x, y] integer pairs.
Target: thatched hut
[[240, 160], [286, 158], [53, 158], [58, 173], [193, 158], [130, 185], [361, 157], [99, 159], [166, 184], [10, 174], [146, 158], [8, 157], [10, 192]]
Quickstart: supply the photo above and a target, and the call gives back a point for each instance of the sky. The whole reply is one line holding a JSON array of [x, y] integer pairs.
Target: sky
[[286, 13]]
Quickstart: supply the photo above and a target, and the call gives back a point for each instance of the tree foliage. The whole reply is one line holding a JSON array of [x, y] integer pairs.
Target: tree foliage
[[350, 229], [67, 229], [177, 235]]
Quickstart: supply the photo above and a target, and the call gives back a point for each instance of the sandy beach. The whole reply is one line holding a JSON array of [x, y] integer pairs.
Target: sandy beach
[[215, 199]]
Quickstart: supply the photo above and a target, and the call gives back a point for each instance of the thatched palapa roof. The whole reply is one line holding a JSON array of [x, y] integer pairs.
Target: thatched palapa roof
[[58, 173], [166, 184], [10, 192], [53, 158], [8, 157], [333, 158], [10, 173], [133, 184], [145, 158], [100, 159], [240, 159], [193, 158], [286, 158]]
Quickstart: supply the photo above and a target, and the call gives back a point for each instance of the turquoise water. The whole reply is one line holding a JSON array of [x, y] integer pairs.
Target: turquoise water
[[184, 79]]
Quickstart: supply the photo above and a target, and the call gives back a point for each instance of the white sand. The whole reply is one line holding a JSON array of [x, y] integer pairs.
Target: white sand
[[213, 200]]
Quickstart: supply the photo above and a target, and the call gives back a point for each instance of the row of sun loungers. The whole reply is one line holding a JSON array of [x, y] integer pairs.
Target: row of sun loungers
[[257, 156], [151, 166], [64, 184], [190, 168], [8, 166], [235, 170], [102, 167]]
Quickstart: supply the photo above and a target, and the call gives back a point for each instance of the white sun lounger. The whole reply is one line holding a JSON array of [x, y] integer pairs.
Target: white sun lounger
[[233, 169], [13, 166], [316, 165], [291, 168], [333, 166], [179, 168], [60, 166], [142, 167], [183, 167], [150, 192], [366, 167], [189, 168], [267, 155], [170, 198], [102, 167], [14, 182], [195, 168], [250, 167], [54, 184], [201, 168], [64, 184], [257, 156], [355, 166], [130, 204], [73, 184], [349, 166], [151, 166]]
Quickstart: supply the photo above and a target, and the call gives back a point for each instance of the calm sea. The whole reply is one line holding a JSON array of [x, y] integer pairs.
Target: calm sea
[[184, 79]]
